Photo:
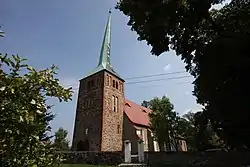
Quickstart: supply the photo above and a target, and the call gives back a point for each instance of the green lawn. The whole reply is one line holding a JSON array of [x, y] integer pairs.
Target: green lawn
[[81, 165]]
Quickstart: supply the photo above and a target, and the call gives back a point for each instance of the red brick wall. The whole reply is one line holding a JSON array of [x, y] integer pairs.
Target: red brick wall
[[94, 111], [89, 113], [111, 138]]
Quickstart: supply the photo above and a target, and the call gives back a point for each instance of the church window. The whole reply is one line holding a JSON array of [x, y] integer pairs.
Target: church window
[[113, 103], [118, 129], [144, 137], [114, 83], [138, 132], [116, 104], [86, 131]]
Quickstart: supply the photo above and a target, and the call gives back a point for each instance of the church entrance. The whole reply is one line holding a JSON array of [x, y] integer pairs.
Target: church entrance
[[83, 145]]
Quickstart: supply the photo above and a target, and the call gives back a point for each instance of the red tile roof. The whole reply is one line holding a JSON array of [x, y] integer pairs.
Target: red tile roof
[[137, 113]]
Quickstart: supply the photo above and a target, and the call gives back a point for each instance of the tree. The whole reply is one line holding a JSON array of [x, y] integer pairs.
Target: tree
[[199, 134], [60, 142], [214, 44], [163, 121], [145, 104], [24, 114]]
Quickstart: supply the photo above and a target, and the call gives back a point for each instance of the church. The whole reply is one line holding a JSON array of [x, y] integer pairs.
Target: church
[[104, 117]]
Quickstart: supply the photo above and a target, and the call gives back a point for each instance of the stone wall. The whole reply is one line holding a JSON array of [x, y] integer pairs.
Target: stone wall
[[208, 159], [95, 158], [112, 126], [88, 122]]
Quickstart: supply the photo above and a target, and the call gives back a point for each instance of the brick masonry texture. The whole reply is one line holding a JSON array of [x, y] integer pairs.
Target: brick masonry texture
[[94, 112], [111, 136], [95, 158], [89, 113]]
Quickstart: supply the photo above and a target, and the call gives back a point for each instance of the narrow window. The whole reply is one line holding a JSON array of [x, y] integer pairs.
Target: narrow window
[[138, 132], [116, 104], [114, 83], [113, 103], [118, 129]]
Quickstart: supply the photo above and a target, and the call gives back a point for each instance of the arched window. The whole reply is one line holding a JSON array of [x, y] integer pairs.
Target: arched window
[[115, 103], [116, 85]]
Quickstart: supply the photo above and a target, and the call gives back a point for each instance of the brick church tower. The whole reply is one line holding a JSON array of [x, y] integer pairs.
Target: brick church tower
[[100, 105]]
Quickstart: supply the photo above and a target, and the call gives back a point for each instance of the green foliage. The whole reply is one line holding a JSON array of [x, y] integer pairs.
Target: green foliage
[[24, 114], [163, 121], [61, 142], [145, 103], [199, 134], [214, 44]]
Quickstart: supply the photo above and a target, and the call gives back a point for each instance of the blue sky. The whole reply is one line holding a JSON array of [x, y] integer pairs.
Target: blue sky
[[69, 34]]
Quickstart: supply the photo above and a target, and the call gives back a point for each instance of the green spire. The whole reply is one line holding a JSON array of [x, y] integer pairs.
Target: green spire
[[105, 50], [104, 60]]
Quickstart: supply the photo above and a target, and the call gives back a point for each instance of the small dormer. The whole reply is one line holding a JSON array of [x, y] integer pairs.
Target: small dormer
[[143, 110], [127, 104]]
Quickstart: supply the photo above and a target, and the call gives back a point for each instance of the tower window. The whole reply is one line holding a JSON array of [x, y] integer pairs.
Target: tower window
[[118, 129], [114, 83], [115, 103]]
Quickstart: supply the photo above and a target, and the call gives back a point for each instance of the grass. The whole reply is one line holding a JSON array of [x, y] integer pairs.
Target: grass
[[81, 165]]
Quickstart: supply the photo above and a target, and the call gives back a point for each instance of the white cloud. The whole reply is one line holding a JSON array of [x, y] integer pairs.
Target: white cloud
[[194, 110], [167, 67]]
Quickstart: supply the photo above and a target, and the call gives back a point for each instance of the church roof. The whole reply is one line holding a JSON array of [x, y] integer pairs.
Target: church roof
[[104, 59], [137, 113]]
